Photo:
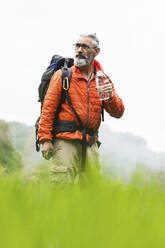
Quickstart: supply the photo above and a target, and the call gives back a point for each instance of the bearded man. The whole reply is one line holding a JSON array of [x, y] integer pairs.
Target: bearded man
[[78, 144]]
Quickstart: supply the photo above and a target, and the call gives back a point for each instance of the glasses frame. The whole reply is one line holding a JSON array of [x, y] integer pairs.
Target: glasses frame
[[84, 46]]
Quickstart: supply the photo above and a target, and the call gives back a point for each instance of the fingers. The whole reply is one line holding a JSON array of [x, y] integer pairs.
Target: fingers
[[105, 88], [47, 149], [47, 154]]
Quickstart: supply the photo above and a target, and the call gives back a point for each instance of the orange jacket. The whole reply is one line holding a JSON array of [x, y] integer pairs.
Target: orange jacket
[[85, 100]]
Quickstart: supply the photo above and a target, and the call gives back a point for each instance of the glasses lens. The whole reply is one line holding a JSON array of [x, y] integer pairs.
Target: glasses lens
[[77, 46], [85, 46]]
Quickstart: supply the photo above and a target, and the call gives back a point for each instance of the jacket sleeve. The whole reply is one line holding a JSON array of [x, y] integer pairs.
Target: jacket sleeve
[[115, 106], [50, 106]]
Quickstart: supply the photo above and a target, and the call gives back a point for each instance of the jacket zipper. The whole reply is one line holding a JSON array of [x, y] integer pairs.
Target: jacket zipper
[[88, 86]]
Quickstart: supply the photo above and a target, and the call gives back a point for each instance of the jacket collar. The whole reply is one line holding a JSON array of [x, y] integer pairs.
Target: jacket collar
[[76, 72]]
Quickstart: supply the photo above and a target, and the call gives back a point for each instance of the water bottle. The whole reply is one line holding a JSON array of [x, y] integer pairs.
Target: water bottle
[[101, 80]]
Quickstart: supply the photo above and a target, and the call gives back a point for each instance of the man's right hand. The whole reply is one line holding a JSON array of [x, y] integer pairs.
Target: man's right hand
[[47, 149]]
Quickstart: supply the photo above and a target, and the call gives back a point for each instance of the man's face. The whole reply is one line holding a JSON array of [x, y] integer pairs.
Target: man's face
[[85, 51]]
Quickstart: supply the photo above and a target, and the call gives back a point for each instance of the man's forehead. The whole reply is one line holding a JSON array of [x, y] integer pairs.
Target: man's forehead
[[86, 40]]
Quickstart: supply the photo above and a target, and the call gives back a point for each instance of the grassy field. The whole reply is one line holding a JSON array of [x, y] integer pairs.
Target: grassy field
[[97, 213]]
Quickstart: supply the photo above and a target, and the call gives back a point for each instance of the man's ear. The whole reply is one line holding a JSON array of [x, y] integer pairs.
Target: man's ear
[[97, 51]]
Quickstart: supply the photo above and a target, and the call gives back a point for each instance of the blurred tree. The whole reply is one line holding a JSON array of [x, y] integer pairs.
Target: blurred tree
[[10, 159], [23, 138]]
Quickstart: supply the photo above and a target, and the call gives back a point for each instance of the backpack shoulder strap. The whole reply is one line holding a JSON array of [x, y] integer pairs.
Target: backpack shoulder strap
[[66, 78]]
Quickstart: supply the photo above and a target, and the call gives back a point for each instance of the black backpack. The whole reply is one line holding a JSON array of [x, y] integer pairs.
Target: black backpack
[[57, 62]]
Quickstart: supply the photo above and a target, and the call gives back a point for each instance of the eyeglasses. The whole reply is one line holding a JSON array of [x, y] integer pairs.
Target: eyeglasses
[[83, 46]]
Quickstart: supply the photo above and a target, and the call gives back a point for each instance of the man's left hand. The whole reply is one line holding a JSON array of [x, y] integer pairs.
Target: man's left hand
[[107, 88]]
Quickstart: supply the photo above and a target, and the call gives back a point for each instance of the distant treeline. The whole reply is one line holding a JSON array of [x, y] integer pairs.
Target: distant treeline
[[120, 153], [10, 158]]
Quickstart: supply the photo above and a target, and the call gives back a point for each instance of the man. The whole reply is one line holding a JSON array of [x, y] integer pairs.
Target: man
[[76, 146]]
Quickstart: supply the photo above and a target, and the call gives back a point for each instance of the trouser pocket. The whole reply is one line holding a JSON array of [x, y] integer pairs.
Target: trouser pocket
[[62, 175]]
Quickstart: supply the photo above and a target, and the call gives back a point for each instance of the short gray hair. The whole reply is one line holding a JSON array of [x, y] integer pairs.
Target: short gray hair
[[93, 37]]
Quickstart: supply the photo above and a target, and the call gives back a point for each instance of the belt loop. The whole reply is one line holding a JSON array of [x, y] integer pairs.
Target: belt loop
[[92, 139]]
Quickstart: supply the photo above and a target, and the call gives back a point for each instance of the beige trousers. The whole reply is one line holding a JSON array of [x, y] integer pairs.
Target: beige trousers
[[66, 161]]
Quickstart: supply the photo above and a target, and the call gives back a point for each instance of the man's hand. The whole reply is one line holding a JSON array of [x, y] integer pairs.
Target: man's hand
[[106, 88], [47, 149]]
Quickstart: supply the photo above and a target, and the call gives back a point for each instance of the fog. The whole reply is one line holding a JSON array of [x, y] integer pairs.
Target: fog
[[121, 153]]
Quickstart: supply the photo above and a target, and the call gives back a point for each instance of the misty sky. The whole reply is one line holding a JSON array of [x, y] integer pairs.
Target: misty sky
[[132, 40]]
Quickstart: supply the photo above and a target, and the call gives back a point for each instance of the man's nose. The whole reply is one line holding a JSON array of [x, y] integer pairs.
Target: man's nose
[[80, 48]]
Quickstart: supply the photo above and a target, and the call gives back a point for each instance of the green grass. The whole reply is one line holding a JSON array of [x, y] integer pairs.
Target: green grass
[[96, 213]]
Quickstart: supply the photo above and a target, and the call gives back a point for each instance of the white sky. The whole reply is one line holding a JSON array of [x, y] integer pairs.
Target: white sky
[[132, 38]]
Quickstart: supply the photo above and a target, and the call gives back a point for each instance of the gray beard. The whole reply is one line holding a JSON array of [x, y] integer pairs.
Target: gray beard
[[83, 61], [80, 62]]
